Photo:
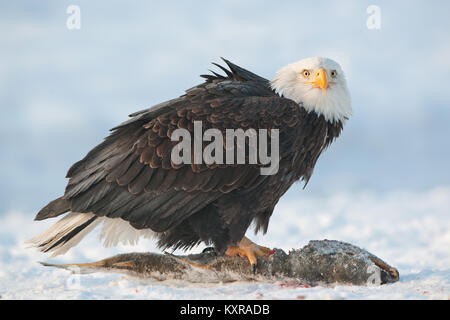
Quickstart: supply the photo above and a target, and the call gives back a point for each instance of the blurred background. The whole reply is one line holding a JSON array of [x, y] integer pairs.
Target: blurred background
[[61, 90], [383, 185]]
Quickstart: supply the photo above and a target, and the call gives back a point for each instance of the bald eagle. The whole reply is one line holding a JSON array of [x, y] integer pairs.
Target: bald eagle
[[130, 186]]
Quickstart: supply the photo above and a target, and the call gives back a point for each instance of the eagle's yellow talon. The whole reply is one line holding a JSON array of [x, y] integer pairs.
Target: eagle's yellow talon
[[249, 249]]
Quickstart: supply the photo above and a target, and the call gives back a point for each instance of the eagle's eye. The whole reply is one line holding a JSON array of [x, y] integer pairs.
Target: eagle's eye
[[333, 73], [306, 73]]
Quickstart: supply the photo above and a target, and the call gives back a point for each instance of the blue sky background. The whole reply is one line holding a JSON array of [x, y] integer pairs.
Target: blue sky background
[[61, 90]]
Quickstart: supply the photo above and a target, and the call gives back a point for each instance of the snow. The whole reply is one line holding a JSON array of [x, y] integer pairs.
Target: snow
[[409, 230]]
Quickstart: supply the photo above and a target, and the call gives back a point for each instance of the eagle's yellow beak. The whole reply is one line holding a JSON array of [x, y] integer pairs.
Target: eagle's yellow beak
[[320, 80]]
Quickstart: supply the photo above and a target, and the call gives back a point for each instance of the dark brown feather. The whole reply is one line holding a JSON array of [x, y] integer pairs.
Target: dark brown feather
[[138, 184], [131, 176]]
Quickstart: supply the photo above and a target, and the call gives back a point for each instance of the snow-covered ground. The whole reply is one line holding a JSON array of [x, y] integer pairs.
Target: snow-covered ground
[[410, 231]]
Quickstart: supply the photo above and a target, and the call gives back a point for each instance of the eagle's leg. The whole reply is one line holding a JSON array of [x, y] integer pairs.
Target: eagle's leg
[[249, 249]]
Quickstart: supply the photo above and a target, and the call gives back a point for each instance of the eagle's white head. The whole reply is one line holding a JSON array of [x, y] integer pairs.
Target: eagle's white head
[[318, 84]]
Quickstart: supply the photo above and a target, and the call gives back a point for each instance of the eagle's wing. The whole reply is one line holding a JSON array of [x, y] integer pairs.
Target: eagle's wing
[[130, 175]]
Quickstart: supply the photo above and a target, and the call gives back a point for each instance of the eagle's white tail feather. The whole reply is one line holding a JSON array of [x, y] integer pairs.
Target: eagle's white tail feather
[[118, 230], [48, 240], [114, 230]]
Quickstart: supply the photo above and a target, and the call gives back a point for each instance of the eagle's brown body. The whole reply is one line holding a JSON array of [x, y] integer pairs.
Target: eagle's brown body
[[130, 175]]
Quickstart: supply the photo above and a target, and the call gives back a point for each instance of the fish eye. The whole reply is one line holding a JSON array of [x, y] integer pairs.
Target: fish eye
[[306, 73], [333, 73]]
